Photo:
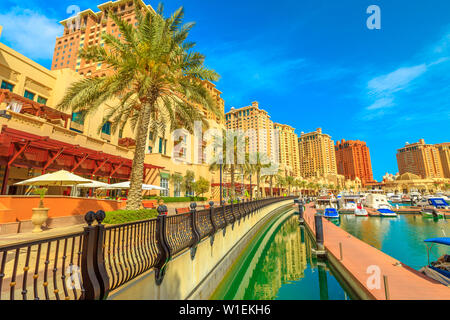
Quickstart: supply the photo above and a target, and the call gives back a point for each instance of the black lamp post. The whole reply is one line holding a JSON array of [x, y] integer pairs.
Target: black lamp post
[[221, 187]]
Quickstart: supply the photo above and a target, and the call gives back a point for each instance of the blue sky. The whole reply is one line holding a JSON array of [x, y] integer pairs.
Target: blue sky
[[309, 63]]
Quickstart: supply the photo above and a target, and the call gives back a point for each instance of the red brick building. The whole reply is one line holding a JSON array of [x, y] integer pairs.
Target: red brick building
[[353, 160]]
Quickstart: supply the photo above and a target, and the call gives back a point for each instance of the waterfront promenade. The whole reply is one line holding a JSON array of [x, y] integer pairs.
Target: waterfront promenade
[[358, 257]]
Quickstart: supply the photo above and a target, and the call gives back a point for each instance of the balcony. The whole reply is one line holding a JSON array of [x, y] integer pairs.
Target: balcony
[[19, 104], [127, 143]]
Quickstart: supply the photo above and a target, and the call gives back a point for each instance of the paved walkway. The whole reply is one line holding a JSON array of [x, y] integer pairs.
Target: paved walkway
[[404, 283], [14, 238]]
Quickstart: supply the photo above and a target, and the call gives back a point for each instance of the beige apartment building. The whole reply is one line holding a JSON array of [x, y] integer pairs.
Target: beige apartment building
[[317, 154], [444, 154], [423, 160], [257, 126], [288, 149], [85, 30]]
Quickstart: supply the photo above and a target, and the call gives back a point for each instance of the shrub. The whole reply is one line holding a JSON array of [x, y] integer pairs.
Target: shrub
[[125, 216]]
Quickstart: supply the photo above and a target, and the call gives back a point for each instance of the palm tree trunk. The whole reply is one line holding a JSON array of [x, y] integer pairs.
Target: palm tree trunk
[[271, 186], [258, 180], [233, 189], [137, 172]]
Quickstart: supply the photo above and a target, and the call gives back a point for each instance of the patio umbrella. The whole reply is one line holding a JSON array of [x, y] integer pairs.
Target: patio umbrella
[[59, 178], [93, 185]]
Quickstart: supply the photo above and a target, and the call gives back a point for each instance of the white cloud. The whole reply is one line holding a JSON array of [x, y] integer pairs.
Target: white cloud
[[381, 103], [29, 32], [396, 80]]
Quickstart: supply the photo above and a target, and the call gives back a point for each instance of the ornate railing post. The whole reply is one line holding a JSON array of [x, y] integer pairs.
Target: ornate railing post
[[163, 245], [91, 284], [211, 217], [100, 268], [195, 231]]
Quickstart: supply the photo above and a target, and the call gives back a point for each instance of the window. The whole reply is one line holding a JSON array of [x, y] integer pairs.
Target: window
[[29, 95], [7, 86], [160, 145], [106, 129], [165, 184], [41, 100], [78, 117]]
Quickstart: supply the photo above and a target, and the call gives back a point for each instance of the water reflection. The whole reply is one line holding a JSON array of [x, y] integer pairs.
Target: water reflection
[[280, 265]]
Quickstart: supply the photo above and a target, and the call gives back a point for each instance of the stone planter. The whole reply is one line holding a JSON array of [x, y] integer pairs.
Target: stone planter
[[40, 215]]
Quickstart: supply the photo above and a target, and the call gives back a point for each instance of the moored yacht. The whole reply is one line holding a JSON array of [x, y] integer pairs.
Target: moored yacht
[[360, 211]]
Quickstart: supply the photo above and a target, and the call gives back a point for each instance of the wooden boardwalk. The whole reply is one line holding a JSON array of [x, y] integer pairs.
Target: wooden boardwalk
[[360, 259]]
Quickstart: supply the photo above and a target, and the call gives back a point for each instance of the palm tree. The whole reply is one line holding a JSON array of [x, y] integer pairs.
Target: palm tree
[[156, 83], [228, 158], [289, 182], [188, 182], [258, 161], [177, 180], [280, 181], [249, 171]]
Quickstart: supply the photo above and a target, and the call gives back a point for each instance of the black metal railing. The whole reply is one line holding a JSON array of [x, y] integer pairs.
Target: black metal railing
[[89, 264]]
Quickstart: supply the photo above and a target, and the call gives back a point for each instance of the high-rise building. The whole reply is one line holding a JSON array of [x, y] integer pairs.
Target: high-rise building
[[255, 123], [288, 155], [353, 160], [86, 30], [421, 159], [444, 154], [317, 155]]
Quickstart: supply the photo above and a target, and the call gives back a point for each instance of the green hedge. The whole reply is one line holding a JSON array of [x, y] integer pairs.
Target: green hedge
[[176, 199], [124, 216]]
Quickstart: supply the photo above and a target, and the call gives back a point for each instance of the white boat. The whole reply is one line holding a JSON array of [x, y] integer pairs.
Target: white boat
[[360, 211], [385, 211], [377, 201], [396, 198]]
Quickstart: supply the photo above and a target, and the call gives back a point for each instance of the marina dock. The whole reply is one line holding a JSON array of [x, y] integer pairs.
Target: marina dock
[[370, 272]]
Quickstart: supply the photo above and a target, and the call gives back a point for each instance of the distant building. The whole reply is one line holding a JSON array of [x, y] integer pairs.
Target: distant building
[[444, 155], [288, 150], [256, 124], [353, 160], [421, 159], [86, 30], [317, 154]]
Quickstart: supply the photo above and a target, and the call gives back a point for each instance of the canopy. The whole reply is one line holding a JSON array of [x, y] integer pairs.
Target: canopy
[[438, 202], [385, 211], [94, 184], [59, 178], [126, 185], [445, 241]]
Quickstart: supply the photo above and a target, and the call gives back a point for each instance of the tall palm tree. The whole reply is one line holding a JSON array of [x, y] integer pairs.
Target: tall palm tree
[[258, 161], [289, 182], [280, 181], [249, 171], [157, 82]]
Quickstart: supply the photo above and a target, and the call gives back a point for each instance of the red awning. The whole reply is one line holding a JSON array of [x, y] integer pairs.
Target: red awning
[[22, 149]]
